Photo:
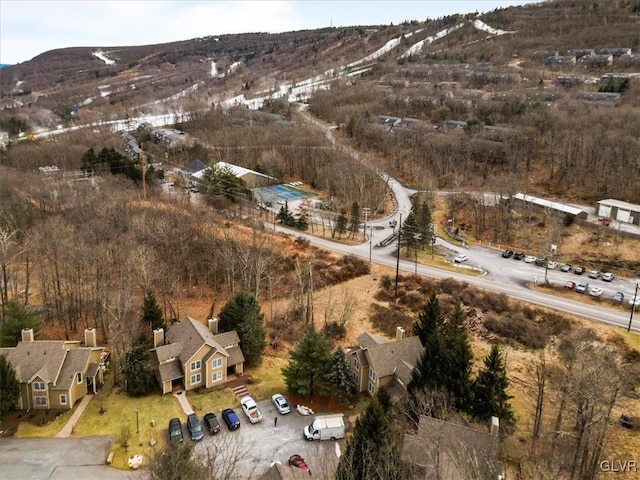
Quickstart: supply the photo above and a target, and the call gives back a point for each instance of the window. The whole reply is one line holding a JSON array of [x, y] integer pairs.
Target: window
[[195, 365], [216, 376], [372, 374], [63, 399], [356, 378], [217, 363], [356, 364], [41, 401], [39, 386], [196, 378], [79, 377], [372, 388]]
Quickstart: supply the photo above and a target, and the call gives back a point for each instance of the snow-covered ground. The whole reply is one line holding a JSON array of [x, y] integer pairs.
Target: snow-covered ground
[[416, 47], [480, 25], [104, 58]]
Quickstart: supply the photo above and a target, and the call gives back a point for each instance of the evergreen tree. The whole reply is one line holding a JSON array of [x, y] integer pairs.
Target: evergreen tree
[[151, 313], [354, 221], [457, 374], [138, 368], [371, 452], [341, 223], [10, 387], [490, 397], [410, 231], [242, 314], [429, 319], [222, 182], [342, 381], [425, 225], [285, 217], [17, 317], [309, 369]]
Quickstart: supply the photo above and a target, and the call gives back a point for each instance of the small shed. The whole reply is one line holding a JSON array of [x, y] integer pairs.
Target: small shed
[[618, 210], [551, 205]]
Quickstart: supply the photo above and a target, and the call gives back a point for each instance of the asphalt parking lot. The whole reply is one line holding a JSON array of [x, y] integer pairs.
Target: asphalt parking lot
[[58, 459], [260, 444]]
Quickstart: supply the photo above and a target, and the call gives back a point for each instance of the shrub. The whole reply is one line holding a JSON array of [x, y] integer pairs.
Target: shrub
[[387, 319]]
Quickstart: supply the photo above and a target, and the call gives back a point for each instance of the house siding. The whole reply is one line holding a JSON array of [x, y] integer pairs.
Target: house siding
[[210, 370], [188, 373]]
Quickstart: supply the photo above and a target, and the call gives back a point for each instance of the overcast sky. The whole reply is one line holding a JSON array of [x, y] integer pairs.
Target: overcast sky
[[30, 27]]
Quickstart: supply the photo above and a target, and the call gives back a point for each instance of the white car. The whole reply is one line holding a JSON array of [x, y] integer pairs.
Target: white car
[[596, 292], [250, 409], [461, 258], [551, 265], [281, 404], [635, 301], [607, 277], [529, 259]]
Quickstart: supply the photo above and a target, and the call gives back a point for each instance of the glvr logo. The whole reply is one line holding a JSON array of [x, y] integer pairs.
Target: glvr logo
[[617, 466]]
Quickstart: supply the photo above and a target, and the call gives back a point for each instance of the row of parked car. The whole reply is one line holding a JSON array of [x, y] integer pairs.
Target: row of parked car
[[229, 417], [566, 267]]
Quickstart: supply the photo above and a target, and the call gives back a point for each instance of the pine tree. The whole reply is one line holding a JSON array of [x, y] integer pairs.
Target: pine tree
[[425, 225], [410, 231], [429, 319], [457, 375], [138, 368], [242, 314], [342, 381], [309, 369], [285, 217], [10, 391], [354, 221], [341, 223], [17, 318], [151, 313], [490, 397]]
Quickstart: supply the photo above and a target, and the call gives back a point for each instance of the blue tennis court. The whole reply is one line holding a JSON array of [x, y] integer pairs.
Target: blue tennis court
[[278, 193]]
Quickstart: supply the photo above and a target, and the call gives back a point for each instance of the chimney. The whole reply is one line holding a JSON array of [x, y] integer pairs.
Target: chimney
[[399, 333], [90, 339], [213, 325], [158, 337], [495, 426], [27, 334]]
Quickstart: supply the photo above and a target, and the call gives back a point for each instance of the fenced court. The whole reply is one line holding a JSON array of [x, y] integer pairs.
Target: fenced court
[[278, 194]]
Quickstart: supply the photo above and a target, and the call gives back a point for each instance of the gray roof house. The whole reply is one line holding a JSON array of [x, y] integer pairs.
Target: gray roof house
[[452, 450], [195, 356], [378, 362], [55, 374]]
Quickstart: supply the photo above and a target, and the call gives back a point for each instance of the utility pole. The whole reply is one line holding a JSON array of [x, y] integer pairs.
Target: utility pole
[[144, 182], [365, 214], [633, 305], [398, 259]]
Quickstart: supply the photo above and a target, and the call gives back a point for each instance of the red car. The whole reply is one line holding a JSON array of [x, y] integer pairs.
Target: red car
[[297, 461], [570, 285]]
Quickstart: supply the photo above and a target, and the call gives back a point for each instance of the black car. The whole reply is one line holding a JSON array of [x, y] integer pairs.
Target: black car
[[175, 430], [211, 422], [578, 270], [507, 254], [231, 419], [518, 256], [194, 427]]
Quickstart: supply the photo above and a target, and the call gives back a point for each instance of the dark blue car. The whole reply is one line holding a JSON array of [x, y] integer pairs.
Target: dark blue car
[[231, 419]]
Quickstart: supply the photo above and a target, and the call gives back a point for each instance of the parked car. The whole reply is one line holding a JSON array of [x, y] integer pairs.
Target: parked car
[[250, 409], [518, 256], [608, 277], [551, 265], [195, 427], [604, 221], [596, 291], [566, 267], [211, 422], [507, 254], [297, 461], [281, 404], [635, 301], [461, 258], [594, 273], [578, 270], [231, 419], [618, 297], [582, 287], [175, 430], [570, 285]]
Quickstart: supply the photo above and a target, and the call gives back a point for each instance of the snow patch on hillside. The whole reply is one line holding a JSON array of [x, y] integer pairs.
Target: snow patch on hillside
[[480, 25], [104, 58], [415, 48]]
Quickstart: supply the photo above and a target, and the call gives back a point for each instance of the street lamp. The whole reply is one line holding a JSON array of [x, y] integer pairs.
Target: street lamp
[[137, 422], [633, 305]]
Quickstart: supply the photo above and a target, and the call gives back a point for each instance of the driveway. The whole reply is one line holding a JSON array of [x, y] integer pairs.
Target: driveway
[[260, 444], [58, 459]]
